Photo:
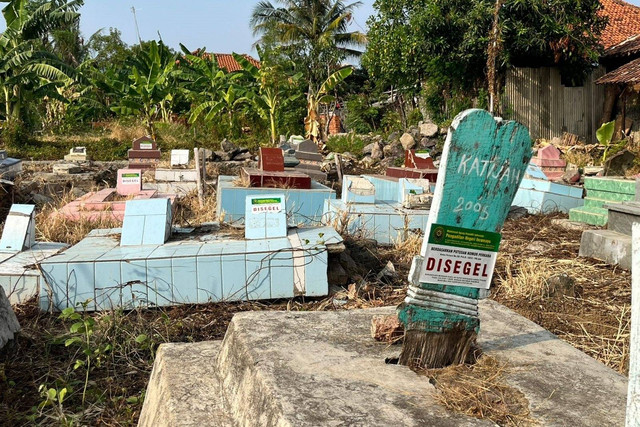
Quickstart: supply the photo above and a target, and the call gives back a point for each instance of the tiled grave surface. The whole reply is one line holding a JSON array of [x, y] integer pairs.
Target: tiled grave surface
[[96, 205], [303, 206], [189, 271], [146, 222], [19, 231], [19, 276], [385, 222], [601, 191], [543, 196]]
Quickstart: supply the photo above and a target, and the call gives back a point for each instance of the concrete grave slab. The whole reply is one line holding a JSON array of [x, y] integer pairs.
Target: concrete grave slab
[[9, 325], [66, 168], [146, 222], [129, 181], [288, 368], [622, 216], [19, 231], [607, 245], [9, 167]]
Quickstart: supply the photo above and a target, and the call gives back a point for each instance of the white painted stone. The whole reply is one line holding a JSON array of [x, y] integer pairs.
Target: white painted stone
[[8, 322], [633, 394], [179, 157], [265, 216]]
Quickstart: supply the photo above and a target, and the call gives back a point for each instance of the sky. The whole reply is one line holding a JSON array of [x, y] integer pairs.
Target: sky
[[222, 26]]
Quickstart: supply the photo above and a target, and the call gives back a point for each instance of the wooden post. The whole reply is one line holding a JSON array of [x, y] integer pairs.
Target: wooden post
[[633, 394], [482, 164], [196, 156], [338, 166]]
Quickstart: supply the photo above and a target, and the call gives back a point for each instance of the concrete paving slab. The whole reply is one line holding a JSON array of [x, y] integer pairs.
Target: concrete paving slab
[[607, 245], [323, 369]]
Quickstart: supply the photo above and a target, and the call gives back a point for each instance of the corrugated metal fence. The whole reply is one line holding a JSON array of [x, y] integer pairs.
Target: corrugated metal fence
[[537, 98]]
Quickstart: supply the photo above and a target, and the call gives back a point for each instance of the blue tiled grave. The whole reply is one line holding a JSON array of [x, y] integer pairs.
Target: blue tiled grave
[[539, 195], [190, 269], [385, 220], [303, 206]]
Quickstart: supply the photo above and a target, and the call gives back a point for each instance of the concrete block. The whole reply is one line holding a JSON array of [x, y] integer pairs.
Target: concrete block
[[146, 222], [66, 168], [176, 175], [606, 245], [8, 322], [622, 216], [288, 369], [19, 231]]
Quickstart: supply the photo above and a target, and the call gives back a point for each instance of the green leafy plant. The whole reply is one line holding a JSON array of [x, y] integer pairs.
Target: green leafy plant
[[80, 335], [54, 398], [605, 137]]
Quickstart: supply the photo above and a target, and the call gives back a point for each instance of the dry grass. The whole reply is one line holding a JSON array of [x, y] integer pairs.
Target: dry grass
[[54, 227], [480, 390], [405, 250], [187, 210], [579, 158], [126, 132], [594, 318], [242, 181]]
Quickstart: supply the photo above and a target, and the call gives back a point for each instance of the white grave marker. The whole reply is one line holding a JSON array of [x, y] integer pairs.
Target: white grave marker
[[265, 216], [19, 232], [179, 158]]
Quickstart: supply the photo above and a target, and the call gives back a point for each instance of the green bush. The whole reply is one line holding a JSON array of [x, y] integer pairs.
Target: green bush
[[361, 116], [343, 143]]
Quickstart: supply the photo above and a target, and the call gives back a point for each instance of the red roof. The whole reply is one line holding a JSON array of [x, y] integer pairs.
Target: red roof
[[624, 22]]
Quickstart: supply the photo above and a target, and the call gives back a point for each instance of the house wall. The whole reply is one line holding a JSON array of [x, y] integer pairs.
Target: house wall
[[537, 98]]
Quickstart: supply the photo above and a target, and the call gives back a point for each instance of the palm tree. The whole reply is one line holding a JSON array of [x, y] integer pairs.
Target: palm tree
[[317, 30]]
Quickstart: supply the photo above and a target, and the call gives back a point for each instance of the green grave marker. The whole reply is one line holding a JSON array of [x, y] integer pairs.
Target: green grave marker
[[483, 162]]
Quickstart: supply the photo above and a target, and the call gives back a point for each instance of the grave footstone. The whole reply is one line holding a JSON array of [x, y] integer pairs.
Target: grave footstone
[[146, 222], [265, 216], [19, 231], [483, 162], [144, 154]]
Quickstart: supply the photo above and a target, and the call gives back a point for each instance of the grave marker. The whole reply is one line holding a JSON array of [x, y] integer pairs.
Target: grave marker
[[179, 158], [418, 164], [265, 216], [19, 231], [483, 162], [129, 181], [548, 158], [77, 154], [144, 154], [356, 189], [3, 154], [418, 159], [271, 159]]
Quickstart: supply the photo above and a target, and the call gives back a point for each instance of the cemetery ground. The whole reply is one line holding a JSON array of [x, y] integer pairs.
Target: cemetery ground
[[100, 376]]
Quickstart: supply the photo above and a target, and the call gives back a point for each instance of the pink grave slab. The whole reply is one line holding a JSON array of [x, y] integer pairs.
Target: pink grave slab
[[548, 158], [105, 204], [129, 181]]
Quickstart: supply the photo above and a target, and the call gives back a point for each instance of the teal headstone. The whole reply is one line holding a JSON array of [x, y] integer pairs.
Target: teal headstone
[[483, 162]]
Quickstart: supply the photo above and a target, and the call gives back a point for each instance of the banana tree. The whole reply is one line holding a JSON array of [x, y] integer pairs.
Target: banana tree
[[229, 102], [26, 69], [269, 91], [322, 95], [151, 85]]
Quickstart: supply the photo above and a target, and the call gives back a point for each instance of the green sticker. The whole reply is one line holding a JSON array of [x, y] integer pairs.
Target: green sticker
[[464, 238], [266, 201]]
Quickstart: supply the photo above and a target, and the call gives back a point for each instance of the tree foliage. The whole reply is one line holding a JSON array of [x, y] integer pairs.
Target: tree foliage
[[443, 43]]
